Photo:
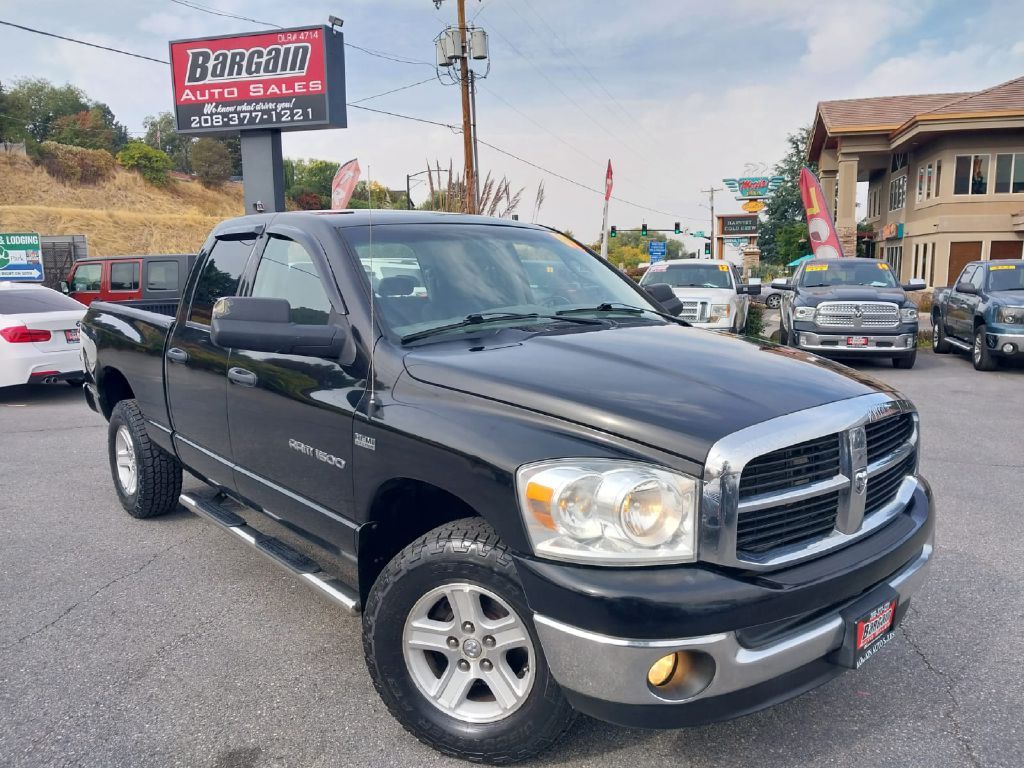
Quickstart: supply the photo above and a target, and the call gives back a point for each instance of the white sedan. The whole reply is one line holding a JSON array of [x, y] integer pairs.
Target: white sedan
[[38, 335]]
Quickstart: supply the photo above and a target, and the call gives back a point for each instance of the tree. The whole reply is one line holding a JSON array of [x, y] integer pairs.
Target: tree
[[305, 177], [785, 207], [160, 134], [629, 247], [152, 164], [11, 128], [91, 129], [211, 161], [40, 104]]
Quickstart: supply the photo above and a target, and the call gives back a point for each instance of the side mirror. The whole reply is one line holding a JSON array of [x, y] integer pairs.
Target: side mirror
[[663, 295], [782, 284], [750, 289], [64, 287], [264, 325], [966, 288], [915, 284]]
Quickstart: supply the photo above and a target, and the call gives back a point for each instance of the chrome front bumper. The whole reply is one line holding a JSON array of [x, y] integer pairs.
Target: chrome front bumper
[[997, 339], [615, 669], [833, 342]]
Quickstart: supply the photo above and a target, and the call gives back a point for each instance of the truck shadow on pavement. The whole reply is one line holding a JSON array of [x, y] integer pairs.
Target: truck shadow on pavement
[[40, 394]]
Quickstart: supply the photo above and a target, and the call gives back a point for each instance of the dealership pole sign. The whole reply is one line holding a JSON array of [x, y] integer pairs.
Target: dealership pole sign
[[21, 257], [287, 79]]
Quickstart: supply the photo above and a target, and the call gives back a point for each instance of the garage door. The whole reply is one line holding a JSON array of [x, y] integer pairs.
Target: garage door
[[959, 255], [1006, 249]]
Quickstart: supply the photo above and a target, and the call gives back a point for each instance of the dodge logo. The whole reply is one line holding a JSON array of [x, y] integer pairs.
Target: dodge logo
[[858, 311]]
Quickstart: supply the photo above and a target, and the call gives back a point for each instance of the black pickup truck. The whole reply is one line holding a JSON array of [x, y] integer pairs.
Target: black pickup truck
[[849, 308], [542, 492]]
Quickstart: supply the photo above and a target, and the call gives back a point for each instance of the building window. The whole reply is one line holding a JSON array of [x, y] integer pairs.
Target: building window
[[899, 161], [920, 184], [934, 189], [1010, 173], [894, 256], [874, 202], [897, 193], [916, 259], [971, 175]]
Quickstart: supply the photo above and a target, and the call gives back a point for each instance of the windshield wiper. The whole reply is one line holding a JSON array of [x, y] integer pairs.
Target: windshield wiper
[[620, 307], [479, 318]]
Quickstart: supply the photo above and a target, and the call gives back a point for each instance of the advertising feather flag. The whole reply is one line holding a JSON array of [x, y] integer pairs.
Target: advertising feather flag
[[822, 230]]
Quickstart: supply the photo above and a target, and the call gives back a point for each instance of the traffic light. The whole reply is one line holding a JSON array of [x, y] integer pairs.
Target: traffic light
[[643, 230], [679, 230], [707, 249], [614, 232]]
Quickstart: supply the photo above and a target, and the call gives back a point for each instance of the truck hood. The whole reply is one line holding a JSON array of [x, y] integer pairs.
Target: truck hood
[[1008, 298], [812, 297], [674, 388], [718, 295]]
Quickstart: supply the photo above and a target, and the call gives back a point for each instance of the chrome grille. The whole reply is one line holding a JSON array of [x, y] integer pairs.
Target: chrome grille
[[694, 311], [788, 503], [857, 314]]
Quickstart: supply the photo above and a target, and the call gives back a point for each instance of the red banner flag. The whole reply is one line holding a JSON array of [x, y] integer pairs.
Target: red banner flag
[[608, 182], [824, 240], [344, 184]]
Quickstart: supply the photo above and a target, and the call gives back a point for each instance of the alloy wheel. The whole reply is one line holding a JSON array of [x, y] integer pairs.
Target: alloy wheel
[[127, 470]]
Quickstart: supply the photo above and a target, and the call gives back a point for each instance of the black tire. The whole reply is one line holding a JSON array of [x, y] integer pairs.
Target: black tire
[[981, 356], [773, 301], [75, 382], [905, 361], [466, 551], [940, 345], [157, 473], [783, 336]]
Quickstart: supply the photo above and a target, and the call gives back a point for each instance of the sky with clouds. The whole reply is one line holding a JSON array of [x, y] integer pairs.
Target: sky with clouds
[[678, 93]]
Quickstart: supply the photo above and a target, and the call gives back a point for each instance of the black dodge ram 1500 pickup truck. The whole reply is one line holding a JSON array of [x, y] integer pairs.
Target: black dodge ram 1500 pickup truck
[[849, 308], [543, 493]]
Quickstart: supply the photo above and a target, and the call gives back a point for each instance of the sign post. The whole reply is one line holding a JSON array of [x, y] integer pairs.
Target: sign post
[[21, 257], [259, 85]]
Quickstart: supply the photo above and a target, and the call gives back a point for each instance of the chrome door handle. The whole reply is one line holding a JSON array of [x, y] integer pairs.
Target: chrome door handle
[[243, 377], [176, 355]]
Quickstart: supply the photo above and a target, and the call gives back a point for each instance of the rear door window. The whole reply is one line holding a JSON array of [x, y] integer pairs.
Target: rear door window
[[124, 276], [87, 277], [162, 276], [221, 273]]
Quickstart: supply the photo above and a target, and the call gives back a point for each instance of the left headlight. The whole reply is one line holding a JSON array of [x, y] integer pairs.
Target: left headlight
[[719, 312], [908, 313], [609, 512]]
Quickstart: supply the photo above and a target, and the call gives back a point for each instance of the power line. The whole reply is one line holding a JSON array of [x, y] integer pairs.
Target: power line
[[454, 128], [393, 90], [83, 42]]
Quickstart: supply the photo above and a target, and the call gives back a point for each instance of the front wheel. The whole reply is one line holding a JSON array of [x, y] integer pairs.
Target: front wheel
[[981, 356], [905, 361], [147, 478], [452, 650]]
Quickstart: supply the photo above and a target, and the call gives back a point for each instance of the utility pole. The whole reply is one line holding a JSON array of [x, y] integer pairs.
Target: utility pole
[[711, 200], [467, 118]]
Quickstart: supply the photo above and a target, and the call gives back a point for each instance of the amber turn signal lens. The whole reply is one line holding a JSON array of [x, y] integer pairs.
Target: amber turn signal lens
[[662, 670]]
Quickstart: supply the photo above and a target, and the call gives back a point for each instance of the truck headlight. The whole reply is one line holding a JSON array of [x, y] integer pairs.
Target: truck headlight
[[908, 313], [609, 512], [719, 312], [803, 313], [1011, 315]]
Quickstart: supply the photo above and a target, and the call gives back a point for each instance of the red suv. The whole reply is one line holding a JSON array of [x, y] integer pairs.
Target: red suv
[[149, 281]]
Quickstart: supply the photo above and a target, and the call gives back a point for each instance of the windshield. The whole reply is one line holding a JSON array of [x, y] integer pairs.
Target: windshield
[[848, 272], [430, 275], [25, 302], [711, 275], [1006, 277]]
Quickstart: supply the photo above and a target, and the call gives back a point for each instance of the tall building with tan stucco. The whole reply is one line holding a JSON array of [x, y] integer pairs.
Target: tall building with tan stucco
[[945, 176]]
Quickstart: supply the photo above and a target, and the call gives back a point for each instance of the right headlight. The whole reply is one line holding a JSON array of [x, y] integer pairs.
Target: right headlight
[[609, 512], [803, 313], [1011, 315]]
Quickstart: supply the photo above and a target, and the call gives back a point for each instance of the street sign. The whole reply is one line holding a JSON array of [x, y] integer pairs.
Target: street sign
[[657, 249], [21, 257], [699, 233]]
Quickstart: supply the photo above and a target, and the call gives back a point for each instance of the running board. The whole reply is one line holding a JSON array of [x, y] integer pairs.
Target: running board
[[959, 344], [297, 564]]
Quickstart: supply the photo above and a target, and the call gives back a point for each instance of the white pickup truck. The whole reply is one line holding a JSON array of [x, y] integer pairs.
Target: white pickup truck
[[711, 291]]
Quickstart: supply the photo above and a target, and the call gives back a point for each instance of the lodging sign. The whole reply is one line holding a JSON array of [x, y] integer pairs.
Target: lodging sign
[[739, 225], [21, 257], [287, 79]]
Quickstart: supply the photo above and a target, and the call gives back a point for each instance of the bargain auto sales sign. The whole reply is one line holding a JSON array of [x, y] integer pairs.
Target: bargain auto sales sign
[[289, 79]]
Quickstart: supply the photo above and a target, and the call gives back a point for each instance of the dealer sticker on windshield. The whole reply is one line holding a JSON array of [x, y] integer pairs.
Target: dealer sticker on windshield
[[883, 266], [1002, 266], [723, 268], [818, 268]]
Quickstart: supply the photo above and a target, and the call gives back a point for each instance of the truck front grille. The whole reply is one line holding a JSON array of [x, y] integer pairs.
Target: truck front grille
[[694, 311], [857, 314], [801, 494]]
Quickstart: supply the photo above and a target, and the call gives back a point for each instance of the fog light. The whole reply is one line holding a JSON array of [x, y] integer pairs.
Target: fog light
[[1009, 349], [663, 669]]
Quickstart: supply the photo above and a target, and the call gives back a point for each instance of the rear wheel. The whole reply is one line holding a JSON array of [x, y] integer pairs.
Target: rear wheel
[[981, 356], [773, 301], [940, 345], [453, 653], [147, 478], [905, 361]]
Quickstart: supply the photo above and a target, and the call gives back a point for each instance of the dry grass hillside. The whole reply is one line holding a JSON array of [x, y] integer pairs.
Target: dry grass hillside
[[123, 215]]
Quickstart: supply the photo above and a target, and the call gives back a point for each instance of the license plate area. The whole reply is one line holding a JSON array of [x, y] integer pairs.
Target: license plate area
[[71, 335], [870, 624], [856, 341]]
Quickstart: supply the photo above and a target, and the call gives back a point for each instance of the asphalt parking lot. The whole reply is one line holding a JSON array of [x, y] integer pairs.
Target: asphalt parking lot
[[165, 643]]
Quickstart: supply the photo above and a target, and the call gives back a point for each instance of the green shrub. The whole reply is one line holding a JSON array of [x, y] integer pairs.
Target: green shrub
[[152, 164], [755, 320], [75, 165], [211, 162]]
